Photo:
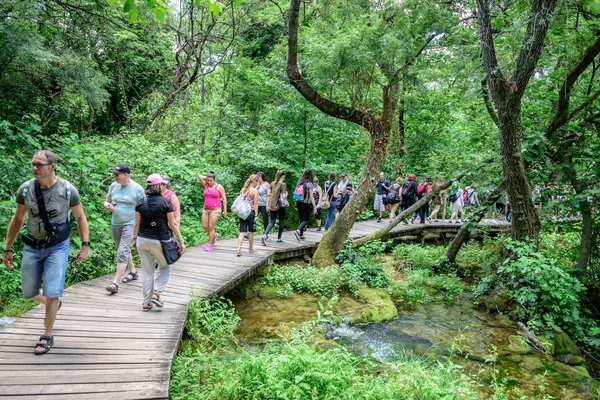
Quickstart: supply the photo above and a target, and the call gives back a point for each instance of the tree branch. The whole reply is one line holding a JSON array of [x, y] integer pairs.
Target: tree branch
[[297, 81], [486, 100], [531, 49], [562, 115]]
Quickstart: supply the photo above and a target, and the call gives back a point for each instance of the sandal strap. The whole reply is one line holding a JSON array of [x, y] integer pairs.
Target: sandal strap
[[47, 338]]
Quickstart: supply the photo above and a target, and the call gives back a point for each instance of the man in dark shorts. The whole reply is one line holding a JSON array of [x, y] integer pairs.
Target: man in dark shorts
[[45, 254]]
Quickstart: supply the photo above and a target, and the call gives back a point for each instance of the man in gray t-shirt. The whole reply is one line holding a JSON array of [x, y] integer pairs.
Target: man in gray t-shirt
[[44, 260], [122, 197]]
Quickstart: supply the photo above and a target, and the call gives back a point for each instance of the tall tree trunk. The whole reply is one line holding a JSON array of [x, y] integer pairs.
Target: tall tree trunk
[[587, 220], [526, 222], [464, 233], [507, 93], [334, 238]]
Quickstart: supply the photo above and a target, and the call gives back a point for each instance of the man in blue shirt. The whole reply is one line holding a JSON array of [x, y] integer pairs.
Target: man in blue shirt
[[383, 187], [122, 197]]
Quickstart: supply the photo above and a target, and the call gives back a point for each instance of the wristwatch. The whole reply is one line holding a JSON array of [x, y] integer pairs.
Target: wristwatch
[[85, 244]]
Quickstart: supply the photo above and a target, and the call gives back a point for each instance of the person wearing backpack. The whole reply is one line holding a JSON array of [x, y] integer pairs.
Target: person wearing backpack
[[456, 204], [340, 189], [393, 196], [318, 195], [248, 225], [304, 196], [422, 190], [409, 191], [383, 187], [470, 197], [276, 204], [331, 194], [345, 197]]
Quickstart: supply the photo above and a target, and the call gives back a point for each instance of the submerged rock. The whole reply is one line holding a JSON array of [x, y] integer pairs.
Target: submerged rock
[[382, 307]]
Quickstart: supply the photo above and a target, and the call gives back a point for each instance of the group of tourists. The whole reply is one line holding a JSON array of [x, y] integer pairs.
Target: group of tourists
[[143, 217], [405, 194], [269, 201]]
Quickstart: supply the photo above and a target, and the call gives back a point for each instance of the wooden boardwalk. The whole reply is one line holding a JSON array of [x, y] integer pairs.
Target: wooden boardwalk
[[105, 346]]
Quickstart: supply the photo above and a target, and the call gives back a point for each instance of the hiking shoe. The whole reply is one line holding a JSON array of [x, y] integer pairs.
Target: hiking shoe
[[302, 237], [263, 240], [379, 219], [318, 229], [297, 234], [280, 241], [429, 220]]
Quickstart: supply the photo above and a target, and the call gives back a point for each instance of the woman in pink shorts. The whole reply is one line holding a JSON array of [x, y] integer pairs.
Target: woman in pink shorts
[[214, 200]]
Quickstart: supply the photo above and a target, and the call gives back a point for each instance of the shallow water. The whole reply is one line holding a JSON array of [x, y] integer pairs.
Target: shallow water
[[473, 337]]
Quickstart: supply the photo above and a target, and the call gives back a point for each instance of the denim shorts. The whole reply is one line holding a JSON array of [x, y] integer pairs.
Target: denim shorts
[[44, 268]]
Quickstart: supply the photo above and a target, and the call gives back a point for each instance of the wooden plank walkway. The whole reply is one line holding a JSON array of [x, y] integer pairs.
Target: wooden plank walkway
[[106, 346]]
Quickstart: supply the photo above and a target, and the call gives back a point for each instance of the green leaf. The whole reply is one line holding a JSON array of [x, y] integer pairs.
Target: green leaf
[[128, 6], [133, 14], [112, 2], [237, 2]]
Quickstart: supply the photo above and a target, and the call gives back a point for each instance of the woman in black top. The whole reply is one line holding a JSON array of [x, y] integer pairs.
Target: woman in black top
[[151, 216]]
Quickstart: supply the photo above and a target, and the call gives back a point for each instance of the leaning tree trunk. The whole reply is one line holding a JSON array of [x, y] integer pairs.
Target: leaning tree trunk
[[334, 238], [464, 233], [587, 220], [526, 222]]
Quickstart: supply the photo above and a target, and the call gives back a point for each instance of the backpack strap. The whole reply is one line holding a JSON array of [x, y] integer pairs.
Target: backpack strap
[[42, 208], [25, 188], [68, 202]]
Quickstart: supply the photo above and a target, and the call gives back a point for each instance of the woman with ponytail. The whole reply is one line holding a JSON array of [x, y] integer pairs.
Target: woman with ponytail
[[275, 197], [248, 225]]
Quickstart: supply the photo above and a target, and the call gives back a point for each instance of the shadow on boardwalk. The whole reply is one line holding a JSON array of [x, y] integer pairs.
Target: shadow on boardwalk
[[106, 346]]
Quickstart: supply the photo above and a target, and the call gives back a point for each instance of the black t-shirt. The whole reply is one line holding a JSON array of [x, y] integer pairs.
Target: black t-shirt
[[156, 210]]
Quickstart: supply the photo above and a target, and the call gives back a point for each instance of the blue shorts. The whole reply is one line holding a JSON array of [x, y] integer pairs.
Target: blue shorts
[[44, 266]]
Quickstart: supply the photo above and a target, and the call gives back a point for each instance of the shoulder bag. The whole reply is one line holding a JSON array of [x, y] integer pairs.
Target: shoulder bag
[[170, 247], [241, 207]]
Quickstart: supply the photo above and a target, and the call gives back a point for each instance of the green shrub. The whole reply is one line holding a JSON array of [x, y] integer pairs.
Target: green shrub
[[421, 286], [547, 292], [294, 278], [418, 257]]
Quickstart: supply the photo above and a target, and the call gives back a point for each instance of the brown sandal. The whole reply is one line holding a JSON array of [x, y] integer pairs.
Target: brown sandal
[[113, 288]]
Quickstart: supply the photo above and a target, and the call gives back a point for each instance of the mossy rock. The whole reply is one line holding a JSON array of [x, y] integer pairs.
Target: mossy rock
[[266, 291], [566, 351], [381, 308], [532, 363], [504, 320], [518, 345]]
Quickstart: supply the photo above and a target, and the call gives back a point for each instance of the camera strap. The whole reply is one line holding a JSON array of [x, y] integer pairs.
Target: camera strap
[[42, 208]]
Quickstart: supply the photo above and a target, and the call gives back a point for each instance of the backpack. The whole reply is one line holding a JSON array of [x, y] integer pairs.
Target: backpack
[[393, 193], [422, 189], [453, 197], [299, 192], [407, 189], [469, 197]]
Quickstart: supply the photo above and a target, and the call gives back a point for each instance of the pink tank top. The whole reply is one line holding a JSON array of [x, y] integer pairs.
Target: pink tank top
[[212, 198]]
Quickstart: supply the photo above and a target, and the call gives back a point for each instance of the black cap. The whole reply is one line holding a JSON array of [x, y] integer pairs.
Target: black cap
[[121, 169], [349, 185], [344, 174]]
